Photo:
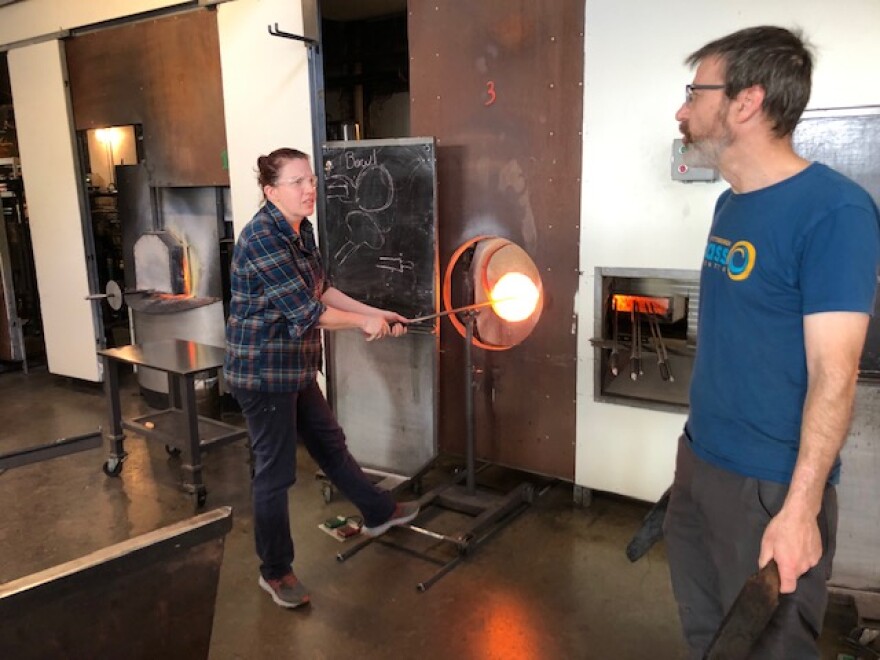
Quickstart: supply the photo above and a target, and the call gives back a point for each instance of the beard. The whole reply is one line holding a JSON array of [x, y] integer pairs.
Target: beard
[[706, 150]]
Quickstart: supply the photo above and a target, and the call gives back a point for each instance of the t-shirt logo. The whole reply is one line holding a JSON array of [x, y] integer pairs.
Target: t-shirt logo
[[737, 259]]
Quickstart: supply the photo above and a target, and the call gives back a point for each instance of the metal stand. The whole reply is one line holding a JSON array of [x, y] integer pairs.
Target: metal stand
[[489, 511]]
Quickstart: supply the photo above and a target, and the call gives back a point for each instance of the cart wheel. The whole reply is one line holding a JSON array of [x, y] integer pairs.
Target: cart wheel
[[112, 467], [416, 487], [201, 497], [327, 493], [529, 494], [172, 451]]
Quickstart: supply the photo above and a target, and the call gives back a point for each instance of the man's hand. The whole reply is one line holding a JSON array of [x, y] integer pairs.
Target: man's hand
[[793, 540]]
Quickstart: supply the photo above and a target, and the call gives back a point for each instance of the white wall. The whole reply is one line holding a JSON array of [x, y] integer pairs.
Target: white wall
[[48, 165], [633, 215], [265, 92]]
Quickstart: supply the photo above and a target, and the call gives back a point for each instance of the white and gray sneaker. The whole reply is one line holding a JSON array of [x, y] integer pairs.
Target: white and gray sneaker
[[404, 512]]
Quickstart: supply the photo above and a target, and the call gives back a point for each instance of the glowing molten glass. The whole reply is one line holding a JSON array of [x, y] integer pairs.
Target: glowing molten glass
[[514, 297]]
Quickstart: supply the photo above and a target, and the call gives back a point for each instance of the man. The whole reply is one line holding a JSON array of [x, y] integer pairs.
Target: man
[[786, 289]]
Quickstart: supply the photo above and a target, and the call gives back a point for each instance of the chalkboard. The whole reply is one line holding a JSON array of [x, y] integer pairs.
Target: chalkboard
[[379, 223], [848, 140]]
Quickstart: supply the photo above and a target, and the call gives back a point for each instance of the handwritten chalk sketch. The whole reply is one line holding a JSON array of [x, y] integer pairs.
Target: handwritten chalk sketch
[[373, 192], [380, 222], [375, 189], [395, 264], [362, 231], [341, 187]]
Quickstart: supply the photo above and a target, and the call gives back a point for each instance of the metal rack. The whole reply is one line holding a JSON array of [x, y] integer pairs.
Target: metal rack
[[19, 304], [180, 428]]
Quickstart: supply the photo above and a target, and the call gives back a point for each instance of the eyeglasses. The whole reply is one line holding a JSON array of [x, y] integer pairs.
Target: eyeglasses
[[300, 182], [690, 89]]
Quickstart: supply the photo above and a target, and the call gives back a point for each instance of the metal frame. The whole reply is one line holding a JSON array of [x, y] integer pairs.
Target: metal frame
[[602, 272], [329, 342], [54, 449], [489, 511]]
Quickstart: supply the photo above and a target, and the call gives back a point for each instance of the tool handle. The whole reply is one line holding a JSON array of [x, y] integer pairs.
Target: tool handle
[[664, 371]]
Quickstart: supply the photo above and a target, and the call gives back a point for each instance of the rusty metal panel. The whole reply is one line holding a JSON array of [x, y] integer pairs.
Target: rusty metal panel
[[151, 596], [500, 85], [165, 75]]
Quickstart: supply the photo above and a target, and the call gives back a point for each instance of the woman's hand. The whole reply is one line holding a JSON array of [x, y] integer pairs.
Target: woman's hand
[[384, 323], [375, 327], [396, 322]]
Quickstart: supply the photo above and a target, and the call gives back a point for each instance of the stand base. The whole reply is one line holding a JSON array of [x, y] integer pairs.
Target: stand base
[[489, 512]]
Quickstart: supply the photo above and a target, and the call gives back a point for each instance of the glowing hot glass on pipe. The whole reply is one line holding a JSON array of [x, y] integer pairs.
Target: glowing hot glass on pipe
[[513, 298]]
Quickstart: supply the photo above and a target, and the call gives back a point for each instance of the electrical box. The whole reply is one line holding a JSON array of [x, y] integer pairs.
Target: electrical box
[[684, 166]]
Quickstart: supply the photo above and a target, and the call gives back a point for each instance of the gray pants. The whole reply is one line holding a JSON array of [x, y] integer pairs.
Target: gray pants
[[713, 529]]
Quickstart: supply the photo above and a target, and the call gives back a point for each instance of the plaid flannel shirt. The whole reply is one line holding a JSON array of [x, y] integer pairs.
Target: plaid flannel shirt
[[273, 343]]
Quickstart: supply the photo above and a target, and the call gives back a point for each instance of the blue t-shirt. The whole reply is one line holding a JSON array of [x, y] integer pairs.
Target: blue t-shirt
[[805, 245]]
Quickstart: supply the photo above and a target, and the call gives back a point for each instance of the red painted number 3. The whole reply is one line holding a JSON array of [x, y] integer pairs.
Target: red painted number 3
[[490, 93]]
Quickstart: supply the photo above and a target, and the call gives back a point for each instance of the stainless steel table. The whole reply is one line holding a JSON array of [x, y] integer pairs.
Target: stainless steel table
[[180, 428]]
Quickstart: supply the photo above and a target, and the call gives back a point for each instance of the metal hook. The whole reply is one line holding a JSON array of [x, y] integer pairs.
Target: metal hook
[[275, 31]]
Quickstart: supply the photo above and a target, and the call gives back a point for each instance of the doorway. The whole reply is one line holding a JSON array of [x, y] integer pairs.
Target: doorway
[[101, 151], [366, 69]]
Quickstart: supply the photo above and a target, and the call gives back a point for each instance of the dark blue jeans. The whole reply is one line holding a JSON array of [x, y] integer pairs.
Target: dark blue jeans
[[713, 529], [274, 421]]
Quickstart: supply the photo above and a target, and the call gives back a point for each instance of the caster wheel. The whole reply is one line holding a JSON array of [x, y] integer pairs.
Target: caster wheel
[[112, 467], [529, 494], [172, 451], [201, 498], [327, 493], [416, 487]]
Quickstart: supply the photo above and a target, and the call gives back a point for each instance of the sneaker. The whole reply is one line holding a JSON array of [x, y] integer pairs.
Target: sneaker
[[287, 592], [404, 512]]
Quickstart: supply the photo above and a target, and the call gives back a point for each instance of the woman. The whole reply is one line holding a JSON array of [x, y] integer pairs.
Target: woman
[[280, 302]]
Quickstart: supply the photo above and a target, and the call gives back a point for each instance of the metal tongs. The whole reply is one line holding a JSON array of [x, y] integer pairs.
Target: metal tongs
[[635, 359], [615, 353], [659, 345]]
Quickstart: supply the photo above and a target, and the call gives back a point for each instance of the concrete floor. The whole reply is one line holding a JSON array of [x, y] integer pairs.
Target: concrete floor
[[555, 583]]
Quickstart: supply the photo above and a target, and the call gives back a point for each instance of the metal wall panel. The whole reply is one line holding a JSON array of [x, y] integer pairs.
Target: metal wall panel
[[385, 399], [500, 85], [165, 75], [858, 533]]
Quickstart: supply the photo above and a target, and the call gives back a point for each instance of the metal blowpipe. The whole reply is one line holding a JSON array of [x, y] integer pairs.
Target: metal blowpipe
[[466, 308]]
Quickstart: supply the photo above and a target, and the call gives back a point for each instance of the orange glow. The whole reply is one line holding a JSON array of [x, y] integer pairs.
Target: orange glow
[[648, 304], [514, 297], [187, 274], [108, 136], [510, 630]]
